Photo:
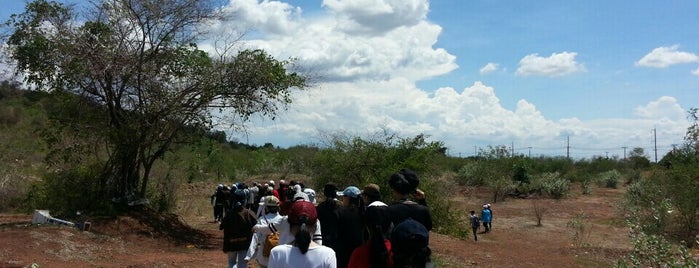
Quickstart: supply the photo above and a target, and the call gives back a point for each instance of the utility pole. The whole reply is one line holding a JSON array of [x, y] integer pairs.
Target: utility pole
[[624, 152], [530, 151], [568, 147], [513, 148], [606, 155], [655, 144]]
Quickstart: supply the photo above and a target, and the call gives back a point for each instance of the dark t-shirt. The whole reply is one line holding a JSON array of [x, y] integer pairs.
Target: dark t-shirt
[[349, 234], [328, 217], [402, 210], [237, 229]]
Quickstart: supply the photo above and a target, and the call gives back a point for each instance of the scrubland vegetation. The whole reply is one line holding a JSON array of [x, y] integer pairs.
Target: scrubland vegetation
[[661, 204]]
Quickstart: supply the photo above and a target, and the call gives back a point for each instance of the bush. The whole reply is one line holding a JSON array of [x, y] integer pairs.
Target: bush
[[13, 189], [471, 174], [586, 187], [552, 185], [609, 179], [445, 216], [66, 192], [652, 250]]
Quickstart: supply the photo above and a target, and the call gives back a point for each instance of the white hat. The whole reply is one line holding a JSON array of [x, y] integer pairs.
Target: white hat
[[301, 196]]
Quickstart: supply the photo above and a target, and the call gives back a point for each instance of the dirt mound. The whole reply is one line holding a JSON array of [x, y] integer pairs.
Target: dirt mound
[[140, 238], [146, 222]]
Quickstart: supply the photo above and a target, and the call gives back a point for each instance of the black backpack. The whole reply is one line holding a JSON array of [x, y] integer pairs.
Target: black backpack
[[475, 222]]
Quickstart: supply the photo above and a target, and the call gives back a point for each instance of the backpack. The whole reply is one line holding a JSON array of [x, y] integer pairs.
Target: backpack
[[272, 240], [475, 222]]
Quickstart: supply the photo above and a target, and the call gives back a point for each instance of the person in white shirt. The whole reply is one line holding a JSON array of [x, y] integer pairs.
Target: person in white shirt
[[270, 216], [303, 251]]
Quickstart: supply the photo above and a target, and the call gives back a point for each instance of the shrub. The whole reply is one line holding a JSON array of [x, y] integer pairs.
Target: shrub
[[66, 192], [652, 250], [552, 185], [586, 187], [609, 179], [539, 207], [471, 174], [581, 230]]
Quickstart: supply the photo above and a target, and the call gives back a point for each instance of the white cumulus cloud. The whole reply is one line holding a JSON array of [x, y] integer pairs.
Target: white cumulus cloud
[[558, 64], [367, 57], [695, 72], [489, 68], [401, 43], [664, 107], [662, 57], [377, 16]]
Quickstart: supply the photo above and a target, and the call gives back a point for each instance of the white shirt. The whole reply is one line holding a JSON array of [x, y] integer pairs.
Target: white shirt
[[281, 223], [289, 256], [258, 238]]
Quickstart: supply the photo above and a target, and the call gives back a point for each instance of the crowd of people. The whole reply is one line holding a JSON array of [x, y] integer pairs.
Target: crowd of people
[[351, 227]]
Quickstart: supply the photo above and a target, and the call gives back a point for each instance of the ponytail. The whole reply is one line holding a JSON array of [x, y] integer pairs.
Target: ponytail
[[379, 253], [303, 238]]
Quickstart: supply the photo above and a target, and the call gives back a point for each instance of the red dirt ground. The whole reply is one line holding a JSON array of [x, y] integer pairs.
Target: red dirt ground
[[145, 239]]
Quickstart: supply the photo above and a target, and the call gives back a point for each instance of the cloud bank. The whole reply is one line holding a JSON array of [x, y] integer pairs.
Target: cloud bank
[[368, 56]]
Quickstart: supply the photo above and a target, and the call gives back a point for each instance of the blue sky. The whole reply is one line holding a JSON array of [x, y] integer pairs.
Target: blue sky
[[475, 73]]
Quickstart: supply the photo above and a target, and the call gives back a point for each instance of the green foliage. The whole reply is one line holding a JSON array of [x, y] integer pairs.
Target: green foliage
[[357, 161], [638, 160], [552, 185], [653, 250], [472, 174], [609, 179], [446, 216], [667, 201], [501, 187], [66, 192], [650, 205], [521, 175], [137, 63], [586, 186]]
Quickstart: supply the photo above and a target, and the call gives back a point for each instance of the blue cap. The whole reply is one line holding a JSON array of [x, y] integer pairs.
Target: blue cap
[[350, 191]]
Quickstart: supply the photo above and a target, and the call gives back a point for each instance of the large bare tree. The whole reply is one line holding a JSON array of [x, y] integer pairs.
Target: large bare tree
[[137, 60]]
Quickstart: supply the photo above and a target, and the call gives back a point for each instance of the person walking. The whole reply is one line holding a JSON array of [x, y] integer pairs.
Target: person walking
[[328, 215], [217, 202], [475, 224], [303, 251], [404, 183], [266, 224], [486, 217], [237, 231], [376, 251], [349, 226]]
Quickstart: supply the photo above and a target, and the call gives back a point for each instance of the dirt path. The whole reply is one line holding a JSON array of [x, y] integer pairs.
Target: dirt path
[[515, 240]]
